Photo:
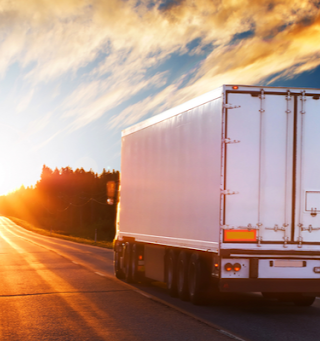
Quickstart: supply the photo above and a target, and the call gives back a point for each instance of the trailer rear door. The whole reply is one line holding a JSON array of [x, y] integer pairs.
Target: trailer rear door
[[307, 216], [260, 166]]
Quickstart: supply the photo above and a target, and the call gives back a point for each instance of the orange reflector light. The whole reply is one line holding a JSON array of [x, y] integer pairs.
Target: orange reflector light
[[140, 257], [240, 236], [235, 87]]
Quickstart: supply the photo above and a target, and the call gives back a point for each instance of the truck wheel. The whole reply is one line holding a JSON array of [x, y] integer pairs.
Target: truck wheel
[[183, 291], [116, 264], [196, 279], [304, 301], [127, 263], [171, 275]]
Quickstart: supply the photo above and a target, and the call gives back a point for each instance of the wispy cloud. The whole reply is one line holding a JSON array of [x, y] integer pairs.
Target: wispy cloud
[[134, 38], [24, 102]]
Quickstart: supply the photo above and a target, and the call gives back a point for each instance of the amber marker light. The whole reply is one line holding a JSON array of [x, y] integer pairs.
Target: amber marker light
[[140, 257], [230, 236], [228, 267], [235, 87]]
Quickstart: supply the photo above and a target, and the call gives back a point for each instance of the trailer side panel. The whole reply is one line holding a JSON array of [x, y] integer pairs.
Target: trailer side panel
[[171, 180]]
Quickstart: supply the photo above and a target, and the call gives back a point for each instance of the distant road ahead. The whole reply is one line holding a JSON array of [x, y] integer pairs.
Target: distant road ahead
[[52, 289]]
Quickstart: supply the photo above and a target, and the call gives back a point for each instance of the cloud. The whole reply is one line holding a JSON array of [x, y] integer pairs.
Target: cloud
[[91, 100], [128, 40], [24, 102]]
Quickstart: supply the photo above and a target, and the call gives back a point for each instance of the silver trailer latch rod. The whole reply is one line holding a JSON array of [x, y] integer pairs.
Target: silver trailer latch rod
[[302, 112], [259, 224]]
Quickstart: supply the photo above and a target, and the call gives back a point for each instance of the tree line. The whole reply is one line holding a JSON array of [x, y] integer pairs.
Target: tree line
[[67, 202]]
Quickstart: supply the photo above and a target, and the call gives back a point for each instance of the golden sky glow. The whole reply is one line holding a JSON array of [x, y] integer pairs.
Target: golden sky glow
[[74, 64]]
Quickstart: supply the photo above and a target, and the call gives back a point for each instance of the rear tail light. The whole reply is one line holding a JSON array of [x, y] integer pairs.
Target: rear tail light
[[228, 267], [237, 267]]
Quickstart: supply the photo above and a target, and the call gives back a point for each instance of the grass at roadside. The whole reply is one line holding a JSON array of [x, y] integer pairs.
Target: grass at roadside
[[33, 228]]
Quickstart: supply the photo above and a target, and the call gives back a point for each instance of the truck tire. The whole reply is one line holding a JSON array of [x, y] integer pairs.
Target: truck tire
[[116, 265], [127, 263], [197, 279], [134, 263], [171, 273], [182, 274]]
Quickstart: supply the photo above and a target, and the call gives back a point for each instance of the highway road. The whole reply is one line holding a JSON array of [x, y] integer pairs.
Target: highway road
[[52, 289]]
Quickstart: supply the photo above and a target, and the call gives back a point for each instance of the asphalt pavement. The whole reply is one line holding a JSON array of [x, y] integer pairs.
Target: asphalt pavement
[[52, 289]]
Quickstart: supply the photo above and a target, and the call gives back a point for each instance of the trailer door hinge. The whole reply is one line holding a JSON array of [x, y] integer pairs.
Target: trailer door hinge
[[230, 106], [288, 98], [303, 99], [229, 141], [228, 192]]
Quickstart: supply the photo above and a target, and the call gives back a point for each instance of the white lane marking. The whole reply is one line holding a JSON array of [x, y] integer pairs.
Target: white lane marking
[[100, 274], [230, 335]]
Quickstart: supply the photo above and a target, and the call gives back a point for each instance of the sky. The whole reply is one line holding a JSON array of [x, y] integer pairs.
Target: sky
[[74, 73]]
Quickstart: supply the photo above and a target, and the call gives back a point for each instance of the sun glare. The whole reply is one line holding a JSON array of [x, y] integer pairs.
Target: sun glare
[[6, 185]]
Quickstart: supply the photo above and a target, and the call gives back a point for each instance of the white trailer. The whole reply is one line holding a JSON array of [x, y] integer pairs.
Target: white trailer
[[223, 192]]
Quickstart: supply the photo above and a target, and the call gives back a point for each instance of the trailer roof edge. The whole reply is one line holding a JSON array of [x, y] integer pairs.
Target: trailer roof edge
[[193, 103]]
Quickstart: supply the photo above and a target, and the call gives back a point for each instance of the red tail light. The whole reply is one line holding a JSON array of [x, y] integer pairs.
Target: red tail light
[[237, 267], [228, 267]]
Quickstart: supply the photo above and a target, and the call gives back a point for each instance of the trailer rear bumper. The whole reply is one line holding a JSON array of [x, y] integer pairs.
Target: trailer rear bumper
[[271, 285]]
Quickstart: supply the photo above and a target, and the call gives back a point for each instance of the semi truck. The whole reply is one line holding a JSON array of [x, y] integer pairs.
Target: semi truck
[[222, 194]]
